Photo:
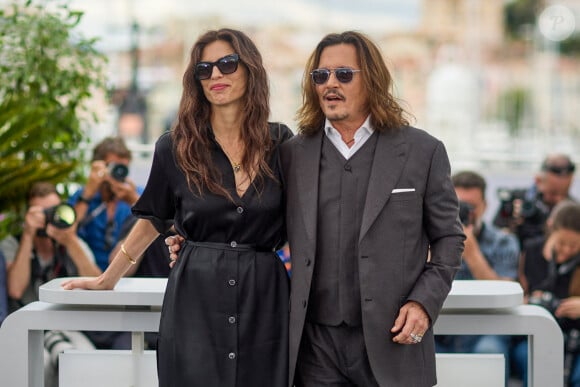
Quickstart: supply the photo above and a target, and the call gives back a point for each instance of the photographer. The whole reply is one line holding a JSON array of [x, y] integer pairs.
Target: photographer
[[550, 276], [105, 201], [48, 248], [489, 254], [524, 211]]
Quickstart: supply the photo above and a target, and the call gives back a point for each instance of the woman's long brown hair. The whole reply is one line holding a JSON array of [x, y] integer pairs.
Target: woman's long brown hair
[[385, 112], [191, 134]]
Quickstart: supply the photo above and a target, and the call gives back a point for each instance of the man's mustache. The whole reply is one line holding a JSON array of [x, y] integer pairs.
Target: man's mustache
[[335, 94]]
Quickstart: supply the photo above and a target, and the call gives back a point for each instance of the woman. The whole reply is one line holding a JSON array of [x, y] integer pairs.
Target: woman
[[216, 178], [550, 276]]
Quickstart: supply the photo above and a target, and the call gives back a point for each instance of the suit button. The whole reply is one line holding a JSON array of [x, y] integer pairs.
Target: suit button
[[232, 282], [231, 320], [304, 303], [231, 356], [307, 261], [240, 210]]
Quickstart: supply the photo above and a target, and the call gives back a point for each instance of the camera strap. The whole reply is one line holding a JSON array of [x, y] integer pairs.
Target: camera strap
[[554, 271], [93, 214]]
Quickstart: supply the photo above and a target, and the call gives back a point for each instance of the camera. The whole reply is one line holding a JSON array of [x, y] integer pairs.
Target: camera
[[56, 342], [532, 208], [546, 300], [466, 215], [60, 216], [118, 172]]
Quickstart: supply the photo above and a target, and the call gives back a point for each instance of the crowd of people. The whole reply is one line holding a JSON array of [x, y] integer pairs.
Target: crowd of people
[[360, 205]]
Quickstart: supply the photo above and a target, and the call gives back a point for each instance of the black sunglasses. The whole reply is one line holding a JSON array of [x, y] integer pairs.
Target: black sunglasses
[[560, 170], [226, 65], [343, 74]]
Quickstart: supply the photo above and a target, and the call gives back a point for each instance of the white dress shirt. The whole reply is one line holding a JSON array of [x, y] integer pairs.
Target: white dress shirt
[[361, 135]]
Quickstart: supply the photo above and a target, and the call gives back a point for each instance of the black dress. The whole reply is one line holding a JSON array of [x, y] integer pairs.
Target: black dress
[[224, 320]]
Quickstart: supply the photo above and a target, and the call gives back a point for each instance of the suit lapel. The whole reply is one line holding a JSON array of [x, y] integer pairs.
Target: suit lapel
[[308, 170], [388, 162]]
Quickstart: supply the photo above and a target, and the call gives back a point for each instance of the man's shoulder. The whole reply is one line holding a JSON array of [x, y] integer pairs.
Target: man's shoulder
[[414, 134]]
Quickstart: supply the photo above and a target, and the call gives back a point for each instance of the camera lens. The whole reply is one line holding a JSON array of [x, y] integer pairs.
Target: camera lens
[[118, 171], [61, 216]]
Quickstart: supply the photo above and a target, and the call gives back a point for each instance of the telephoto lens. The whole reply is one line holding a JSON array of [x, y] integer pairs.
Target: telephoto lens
[[60, 216]]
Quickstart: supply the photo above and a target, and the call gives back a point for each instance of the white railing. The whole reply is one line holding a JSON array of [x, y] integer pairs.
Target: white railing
[[472, 307]]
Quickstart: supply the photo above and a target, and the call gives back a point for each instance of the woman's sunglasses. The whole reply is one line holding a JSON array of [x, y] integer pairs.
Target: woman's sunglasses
[[343, 74], [226, 65]]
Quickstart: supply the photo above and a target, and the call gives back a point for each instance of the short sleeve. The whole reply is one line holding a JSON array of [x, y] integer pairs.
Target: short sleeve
[[157, 202]]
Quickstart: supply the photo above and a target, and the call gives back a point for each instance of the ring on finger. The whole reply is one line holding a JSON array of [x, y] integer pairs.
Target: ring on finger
[[416, 337]]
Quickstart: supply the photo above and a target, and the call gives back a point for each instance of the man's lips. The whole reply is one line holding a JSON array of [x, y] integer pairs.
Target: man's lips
[[333, 96]]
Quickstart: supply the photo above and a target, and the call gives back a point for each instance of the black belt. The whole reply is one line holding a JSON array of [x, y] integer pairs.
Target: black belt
[[234, 246]]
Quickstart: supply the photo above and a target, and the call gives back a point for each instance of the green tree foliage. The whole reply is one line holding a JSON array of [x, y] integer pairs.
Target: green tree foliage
[[513, 104], [47, 76], [520, 13], [521, 16]]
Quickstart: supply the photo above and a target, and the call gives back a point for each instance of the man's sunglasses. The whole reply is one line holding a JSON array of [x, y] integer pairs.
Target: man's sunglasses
[[560, 170], [226, 65], [343, 74]]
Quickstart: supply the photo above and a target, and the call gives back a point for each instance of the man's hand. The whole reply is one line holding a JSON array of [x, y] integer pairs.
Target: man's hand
[[63, 236], [97, 175], [124, 190], [34, 220], [174, 245], [411, 324]]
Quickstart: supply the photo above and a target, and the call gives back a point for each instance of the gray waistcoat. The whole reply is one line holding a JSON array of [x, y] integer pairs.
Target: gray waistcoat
[[335, 291]]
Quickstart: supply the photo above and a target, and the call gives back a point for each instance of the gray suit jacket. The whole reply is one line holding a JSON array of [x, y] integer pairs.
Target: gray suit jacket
[[410, 213]]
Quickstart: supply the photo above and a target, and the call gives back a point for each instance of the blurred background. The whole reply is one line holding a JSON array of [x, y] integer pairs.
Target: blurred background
[[498, 81]]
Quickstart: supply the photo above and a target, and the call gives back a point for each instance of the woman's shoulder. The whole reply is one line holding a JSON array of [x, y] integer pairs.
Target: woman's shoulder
[[279, 132]]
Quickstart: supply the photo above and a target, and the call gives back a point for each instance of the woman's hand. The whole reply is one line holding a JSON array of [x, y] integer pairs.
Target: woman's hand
[[569, 307], [96, 283]]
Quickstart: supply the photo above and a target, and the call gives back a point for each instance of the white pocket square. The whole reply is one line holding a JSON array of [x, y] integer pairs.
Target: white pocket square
[[399, 190]]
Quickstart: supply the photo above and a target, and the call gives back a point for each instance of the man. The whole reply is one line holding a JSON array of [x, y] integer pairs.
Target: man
[[105, 201], [372, 227], [525, 212], [490, 254], [103, 206], [45, 252], [3, 290]]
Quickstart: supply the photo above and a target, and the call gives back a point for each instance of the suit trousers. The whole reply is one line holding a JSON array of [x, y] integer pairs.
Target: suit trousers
[[333, 356]]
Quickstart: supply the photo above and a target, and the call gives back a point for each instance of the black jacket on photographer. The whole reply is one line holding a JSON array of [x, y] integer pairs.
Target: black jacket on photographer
[[534, 213], [548, 276], [42, 271]]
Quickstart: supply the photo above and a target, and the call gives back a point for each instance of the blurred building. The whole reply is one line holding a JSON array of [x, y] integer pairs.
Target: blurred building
[[493, 101]]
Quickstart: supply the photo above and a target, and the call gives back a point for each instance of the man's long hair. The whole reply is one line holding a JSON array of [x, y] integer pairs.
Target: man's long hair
[[191, 134], [385, 112]]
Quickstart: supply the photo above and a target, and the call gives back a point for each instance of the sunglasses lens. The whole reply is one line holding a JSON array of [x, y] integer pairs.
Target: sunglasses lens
[[343, 75], [203, 70], [228, 65], [320, 76]]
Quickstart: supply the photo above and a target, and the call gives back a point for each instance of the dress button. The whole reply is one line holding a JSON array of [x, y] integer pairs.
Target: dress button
[[232, 355], [240, 210], [233, 244], [232, 282], [231, 319]]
